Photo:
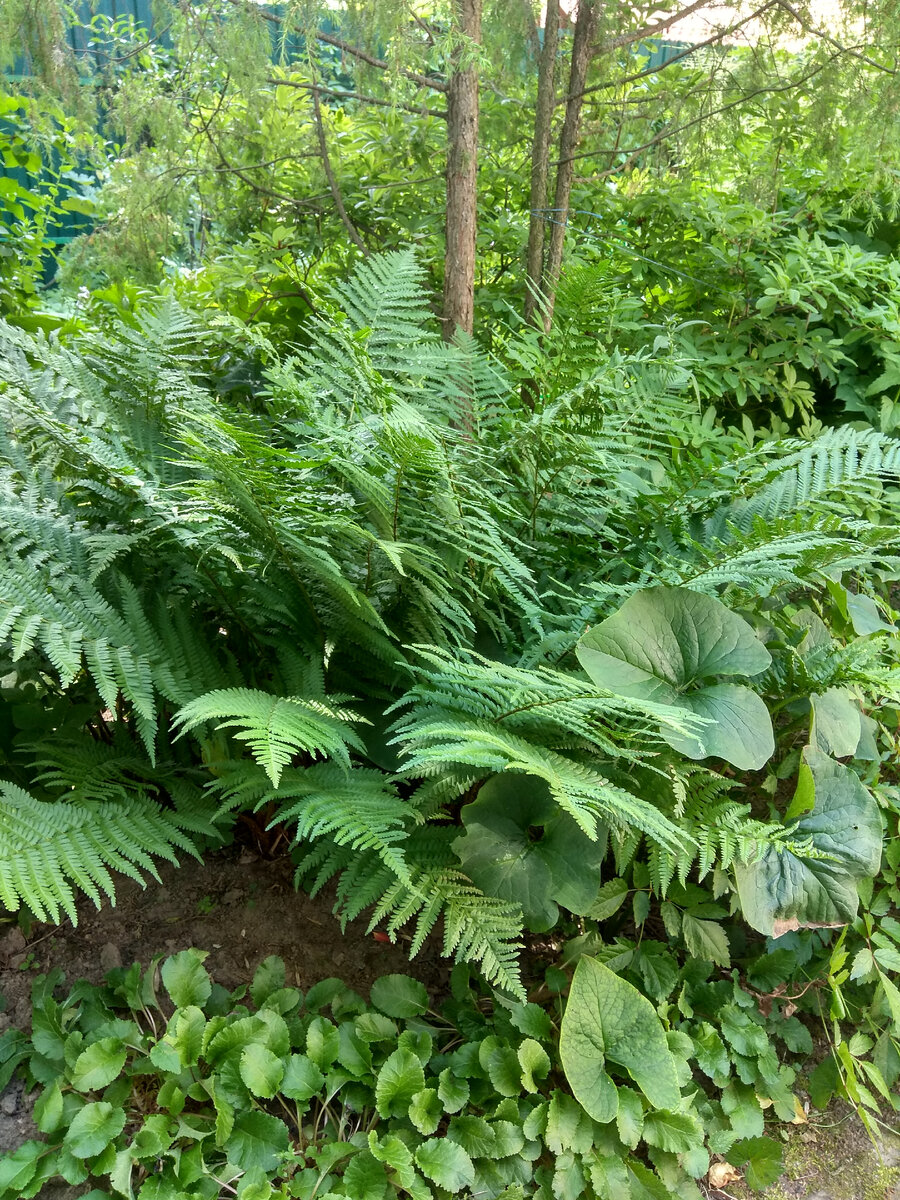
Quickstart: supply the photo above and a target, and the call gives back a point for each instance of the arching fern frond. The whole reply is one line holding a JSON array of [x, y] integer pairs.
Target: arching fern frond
[[49, 849], [276, 728]]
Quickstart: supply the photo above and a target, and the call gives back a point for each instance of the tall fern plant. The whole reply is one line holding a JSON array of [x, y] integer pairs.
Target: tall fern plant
[[355, 599]]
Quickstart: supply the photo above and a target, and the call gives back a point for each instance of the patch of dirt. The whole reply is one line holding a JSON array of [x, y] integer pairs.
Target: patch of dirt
[[830, 1158]]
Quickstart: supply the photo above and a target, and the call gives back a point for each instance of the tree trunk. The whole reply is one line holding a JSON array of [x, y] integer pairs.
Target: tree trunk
[[462, 164], [540, 160], [568, 142]]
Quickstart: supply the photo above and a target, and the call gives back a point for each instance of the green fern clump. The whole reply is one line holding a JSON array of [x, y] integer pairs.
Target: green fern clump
[[353, 598]]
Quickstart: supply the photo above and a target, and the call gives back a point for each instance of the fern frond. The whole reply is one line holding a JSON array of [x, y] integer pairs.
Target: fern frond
[[357, 808], [276, 728], [47, 849]]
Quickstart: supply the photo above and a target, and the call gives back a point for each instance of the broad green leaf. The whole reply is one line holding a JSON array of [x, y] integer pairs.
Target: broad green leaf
[[323, 1042], [764, 1158], [446, 1164], [186, 979], [608, 1020], [453, 1092], [609, 900], [534, 1062], [661, 645], [782, 890], [630, 1117], [741, 732], [19, 1167], [399, 996], [425, 1111], [48, 1110], [186, 1034], [474, 1134], [99, 1065], [261, 1070], [257, 1140], [302, 1078], [519, 846], [672, 1131], [706, 940], [836, 724], [399, 1079], [268, 979], [663, 639], [365, 1176], [93, 1128]]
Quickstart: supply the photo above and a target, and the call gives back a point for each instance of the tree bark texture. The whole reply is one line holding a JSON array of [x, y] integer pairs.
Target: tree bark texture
[[568, 142], [540, 159], [462, 192]]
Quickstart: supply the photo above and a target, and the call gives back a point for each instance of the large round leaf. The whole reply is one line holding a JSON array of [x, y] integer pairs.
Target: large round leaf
[[784, 890], [518, 845], [661, 645], [663, 639], [608, 1020]]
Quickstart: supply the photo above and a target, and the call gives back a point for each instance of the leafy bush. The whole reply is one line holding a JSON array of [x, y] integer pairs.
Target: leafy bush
[[458, 644]]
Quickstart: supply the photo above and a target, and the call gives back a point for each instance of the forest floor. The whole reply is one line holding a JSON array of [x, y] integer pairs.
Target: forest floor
[[242, 908]]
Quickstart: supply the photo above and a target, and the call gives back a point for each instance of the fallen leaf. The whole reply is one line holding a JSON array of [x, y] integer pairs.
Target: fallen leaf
[[799, 1113], [721, 1174]]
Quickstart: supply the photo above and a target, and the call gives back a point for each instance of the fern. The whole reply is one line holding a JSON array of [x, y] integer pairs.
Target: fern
[[275, 728], [46, 848], [357, 808]]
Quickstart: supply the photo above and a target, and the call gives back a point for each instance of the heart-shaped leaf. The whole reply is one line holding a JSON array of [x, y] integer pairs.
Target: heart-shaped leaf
[[608, 1020], [518, 845], [661, 645]]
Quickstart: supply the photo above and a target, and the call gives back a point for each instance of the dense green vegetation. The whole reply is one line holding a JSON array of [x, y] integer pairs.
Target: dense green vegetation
[[574, 629]]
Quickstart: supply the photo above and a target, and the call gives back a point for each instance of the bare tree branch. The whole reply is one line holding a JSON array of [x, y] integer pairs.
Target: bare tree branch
[[419, 109], [332, 179]]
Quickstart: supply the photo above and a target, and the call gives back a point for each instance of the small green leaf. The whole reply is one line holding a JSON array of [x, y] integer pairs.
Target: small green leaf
[[706, 940], [425, 1111], [399, 1079], [18, 1168], [453, 1092], [302, 1078], [323, 1042], [261, 1070], [99, 1065], [672, 1131], [269, 978], [186, 979], [48, 1111], [257, 1140], [93, 1128], [399, 996], [764, 1158], [630, 1117], [446, 1164], [535, 1063], [609, 900]]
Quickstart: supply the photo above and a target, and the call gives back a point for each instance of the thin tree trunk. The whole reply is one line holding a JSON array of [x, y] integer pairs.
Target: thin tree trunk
[[462, 165], [568, 141], [540, 159]]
